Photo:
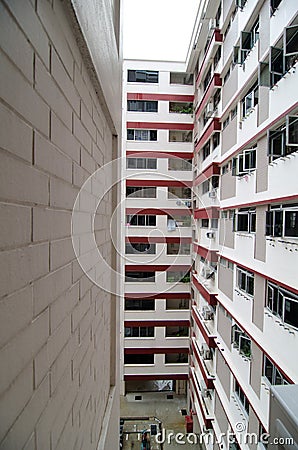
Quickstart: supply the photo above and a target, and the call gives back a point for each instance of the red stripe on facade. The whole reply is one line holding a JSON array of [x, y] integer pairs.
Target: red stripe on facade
[[216, 82], [287, 198], [215, 125], [158, 240], [155, 350], [211, 170], [210, 298], [210, 255], [210, 340], [158, 183], [206, 213], [163, 295], [216, 37], [157, 323], [156, 377], [165, 154], [164, 97], [159, 212], [160, 125], [156, 267]]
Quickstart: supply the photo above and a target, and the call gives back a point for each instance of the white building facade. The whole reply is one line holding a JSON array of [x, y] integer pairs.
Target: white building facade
[[157, 145], [244, 281]]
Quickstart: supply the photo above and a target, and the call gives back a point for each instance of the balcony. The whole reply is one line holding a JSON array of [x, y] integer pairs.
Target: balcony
[[207, 331], [203, 398], [206, 288]]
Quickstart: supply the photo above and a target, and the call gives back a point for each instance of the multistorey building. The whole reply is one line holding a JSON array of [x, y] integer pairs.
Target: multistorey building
[[157, 145], [244, 322]]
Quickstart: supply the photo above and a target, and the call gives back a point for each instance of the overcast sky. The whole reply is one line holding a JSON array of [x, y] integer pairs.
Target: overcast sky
[[158, 29]]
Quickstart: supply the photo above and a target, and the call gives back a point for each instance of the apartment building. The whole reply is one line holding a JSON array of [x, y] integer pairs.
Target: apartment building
[[60, 110], [157, 145], [244, 328]]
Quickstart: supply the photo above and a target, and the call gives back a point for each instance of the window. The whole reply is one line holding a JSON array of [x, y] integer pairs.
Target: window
[[176, 358], [140, 248], [206, 150], [250, 101], [284, 140], [234, 112], [271, 372], [205, 187], [141, 220], [207, 79], [226, 122], [142, 76], [245, 281], [180, 136], [241, 396], [214, 223], [241, 3], [179, 164], [274, 4], [282, 221], [180, 277], [139, 359], [291, 46], [177, 303], [248, 40], [141, 135], [142, 105], [216, 58], [139, 332], [135, 304], [181, 248], [216, 98], [140, 192], [181, 78], [141, 163], [180, 221], [224, 214], [180, 108], [245, 220], [225, 169], [177, 331], [179, 192], [245, 162], [283, 304], [205, 223], [215, 140], [241, 341], [140, 277], [227, 74]]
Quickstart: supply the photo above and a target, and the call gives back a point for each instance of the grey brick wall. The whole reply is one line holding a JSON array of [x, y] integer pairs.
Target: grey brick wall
[[55, 325]]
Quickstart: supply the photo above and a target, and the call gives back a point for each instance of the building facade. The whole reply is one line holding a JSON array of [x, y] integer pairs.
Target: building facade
[[244, 226], [244, 327], [157, 146], [60, 113]]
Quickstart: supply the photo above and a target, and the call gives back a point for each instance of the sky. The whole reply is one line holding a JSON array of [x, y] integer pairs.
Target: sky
[[158, 29]]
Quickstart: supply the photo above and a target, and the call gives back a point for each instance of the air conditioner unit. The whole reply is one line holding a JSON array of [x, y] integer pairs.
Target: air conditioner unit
[[209, 110], [206, 393], [204, 348], [212, 194], [178, 202], [210, 234], [207, 355], [207, 313], [207, 272], [211, 25]]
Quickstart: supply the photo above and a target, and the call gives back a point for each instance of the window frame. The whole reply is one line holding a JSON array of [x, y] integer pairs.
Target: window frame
[[247, 286], [276, 302]]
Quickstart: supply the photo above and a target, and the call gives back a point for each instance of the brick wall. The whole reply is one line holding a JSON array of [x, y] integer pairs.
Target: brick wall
[[55, 325]]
